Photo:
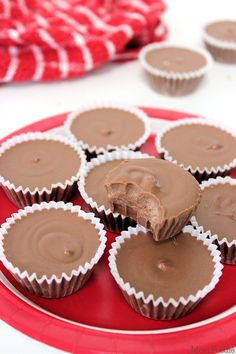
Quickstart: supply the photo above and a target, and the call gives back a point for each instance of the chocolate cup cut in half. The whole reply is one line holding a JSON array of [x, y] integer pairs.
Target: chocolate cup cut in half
[[220, 40], [216, 215], [164, 280], [157, 194]]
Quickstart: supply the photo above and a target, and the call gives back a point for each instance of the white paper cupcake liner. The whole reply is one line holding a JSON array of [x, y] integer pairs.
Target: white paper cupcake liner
[[53, 287], [113, 222], [61, 191], [174, 83], [227, 248], [94, 150], [199, 173], [158, 308], [222, 51]]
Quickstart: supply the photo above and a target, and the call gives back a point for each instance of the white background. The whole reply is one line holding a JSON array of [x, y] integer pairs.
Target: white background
[[22, 104]]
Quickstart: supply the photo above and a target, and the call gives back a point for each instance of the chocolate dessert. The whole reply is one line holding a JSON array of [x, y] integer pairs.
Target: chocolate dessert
[[157, 194]]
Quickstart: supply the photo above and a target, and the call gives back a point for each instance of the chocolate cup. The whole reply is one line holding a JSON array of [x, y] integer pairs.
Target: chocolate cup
[[62, 191], [222, 55], [53, 286], [158, 309]]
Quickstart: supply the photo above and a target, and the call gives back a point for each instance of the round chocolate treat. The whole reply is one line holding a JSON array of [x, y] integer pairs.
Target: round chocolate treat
[[174, 70], [203, 149], [101, 128], [175, 59], [220, 40], [170, 269], [222, 30], [157, 194], [39, 164], [50, 242]]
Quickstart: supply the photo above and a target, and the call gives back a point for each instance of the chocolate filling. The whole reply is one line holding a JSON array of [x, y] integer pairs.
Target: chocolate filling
[[39, 163], [173, 268], [217, 211], [222, 30], [51, 242], [172, 59], [107, 126]]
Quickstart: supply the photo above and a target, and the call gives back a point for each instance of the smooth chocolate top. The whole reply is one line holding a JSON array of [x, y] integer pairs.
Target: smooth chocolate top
[[162, 183], [222, 30], [200, 145], [95, 182], [217, 211], [107, 126], [177, 267], [176, 60], [39, 163], [51, 242]]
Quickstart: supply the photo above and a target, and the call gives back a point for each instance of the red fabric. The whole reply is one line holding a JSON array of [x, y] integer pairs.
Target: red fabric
[[58, 39]]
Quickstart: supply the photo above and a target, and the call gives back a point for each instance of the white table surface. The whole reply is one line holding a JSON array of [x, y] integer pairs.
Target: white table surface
[[22, 104]]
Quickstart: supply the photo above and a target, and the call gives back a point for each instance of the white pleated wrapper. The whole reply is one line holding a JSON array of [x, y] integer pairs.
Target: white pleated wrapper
[[199, 173], [174, 83], [59, 191], [53, 286], [158, 308], [100, 150], [227, 248], [113, 222]]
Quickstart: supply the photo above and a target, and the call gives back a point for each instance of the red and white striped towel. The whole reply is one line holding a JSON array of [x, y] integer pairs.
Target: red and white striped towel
[[58, 39]]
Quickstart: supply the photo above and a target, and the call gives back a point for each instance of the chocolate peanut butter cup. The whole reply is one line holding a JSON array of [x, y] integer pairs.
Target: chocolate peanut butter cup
[[37, 167], [51, 248], [93, 191], [157, 194], [220, 40], [104, 127], [164, 280], [216, 215], [204, 148], [174, 70]]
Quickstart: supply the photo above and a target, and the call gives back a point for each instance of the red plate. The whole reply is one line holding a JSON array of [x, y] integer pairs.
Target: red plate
[[97, 319]]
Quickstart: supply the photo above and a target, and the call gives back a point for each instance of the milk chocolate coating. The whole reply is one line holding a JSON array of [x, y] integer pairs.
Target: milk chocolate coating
[[101, 127], [217, 211], [151, 191], [222, 30], [173, 268], [172, 59], [51, 242], [200, 145], [39, 163]]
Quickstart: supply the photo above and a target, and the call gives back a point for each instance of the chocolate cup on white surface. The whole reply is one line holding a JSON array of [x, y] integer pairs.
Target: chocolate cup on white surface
[[174, 83], [113, 222], [226, 246], [53, 286], [91, 149], [222, 50], [59, 191], [200, 173], [156, 307]]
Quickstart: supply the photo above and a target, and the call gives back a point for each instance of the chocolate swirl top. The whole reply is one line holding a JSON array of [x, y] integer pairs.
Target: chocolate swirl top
[[222, 30], [173, 268], [51, 242], [217, 211], [39, 163], [200, 145]]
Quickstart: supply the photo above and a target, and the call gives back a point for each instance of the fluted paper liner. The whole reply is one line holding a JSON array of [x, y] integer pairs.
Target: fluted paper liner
[[95, 150], [60, 191], [53, 286], [227, 248], [199, 173], [222, 51], [113, 222], [158, 308], [174, 83]]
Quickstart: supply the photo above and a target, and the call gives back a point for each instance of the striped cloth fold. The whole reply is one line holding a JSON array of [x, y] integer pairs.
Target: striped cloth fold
[[43, 40]]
